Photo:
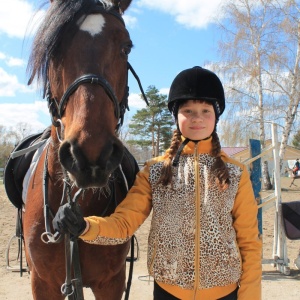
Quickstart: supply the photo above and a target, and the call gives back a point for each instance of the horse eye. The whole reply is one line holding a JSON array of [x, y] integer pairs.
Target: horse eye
[[126, 50]]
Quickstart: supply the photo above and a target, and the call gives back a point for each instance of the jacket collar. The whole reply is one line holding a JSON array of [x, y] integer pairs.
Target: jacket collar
[[203, 146]]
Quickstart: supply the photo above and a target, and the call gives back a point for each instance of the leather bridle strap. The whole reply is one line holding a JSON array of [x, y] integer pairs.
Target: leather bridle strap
[[138, 81], [91, 79]]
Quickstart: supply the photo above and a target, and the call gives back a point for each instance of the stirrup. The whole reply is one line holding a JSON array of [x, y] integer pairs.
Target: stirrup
[[14, 249]]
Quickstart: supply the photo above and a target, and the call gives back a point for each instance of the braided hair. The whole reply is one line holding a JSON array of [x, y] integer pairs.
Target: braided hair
[[219, 168], [166, 172]]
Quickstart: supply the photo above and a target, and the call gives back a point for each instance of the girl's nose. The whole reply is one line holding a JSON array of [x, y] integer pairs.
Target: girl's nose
[[197, 116]]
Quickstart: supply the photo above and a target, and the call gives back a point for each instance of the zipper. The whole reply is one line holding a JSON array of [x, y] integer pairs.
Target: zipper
[[197, 206]]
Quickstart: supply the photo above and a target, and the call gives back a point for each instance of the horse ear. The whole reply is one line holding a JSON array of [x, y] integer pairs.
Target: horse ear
[[122, 5]]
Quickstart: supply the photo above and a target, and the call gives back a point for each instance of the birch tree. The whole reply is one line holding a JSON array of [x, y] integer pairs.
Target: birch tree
[[260, 49]]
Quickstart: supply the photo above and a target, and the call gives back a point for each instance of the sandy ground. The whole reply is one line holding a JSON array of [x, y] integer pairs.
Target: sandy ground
[[276, 286]]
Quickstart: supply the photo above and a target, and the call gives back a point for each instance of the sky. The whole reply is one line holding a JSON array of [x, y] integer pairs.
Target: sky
[[168, 36]]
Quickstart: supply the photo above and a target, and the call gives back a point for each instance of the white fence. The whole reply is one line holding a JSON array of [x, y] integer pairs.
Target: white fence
[[280, 259]]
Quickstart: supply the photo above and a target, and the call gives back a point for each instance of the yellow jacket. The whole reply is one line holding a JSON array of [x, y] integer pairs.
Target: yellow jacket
[[203, 242]]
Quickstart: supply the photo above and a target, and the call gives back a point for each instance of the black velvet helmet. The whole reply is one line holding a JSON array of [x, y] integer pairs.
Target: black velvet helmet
[[197, 84]]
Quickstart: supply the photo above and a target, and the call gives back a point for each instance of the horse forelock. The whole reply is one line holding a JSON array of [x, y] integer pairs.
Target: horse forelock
[[60, 21]]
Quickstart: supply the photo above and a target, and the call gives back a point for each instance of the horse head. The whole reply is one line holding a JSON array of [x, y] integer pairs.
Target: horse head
[[80, 54]]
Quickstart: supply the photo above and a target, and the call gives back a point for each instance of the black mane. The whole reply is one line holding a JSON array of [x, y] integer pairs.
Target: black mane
[[60, 19]]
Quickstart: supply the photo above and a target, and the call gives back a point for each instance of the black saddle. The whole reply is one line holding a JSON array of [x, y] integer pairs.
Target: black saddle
[[16, 168], [291, 219]]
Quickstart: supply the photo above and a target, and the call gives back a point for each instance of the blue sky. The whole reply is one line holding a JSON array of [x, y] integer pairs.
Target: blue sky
[[168, 36]]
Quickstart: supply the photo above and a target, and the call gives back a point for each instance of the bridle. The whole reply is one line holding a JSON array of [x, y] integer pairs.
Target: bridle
[[57, 109]]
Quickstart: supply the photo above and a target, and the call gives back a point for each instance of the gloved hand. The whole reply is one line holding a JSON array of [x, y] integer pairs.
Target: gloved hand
[[68, 221]]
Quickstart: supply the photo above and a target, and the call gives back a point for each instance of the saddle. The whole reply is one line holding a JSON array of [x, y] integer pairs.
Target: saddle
[[291, 219], [16, 168]]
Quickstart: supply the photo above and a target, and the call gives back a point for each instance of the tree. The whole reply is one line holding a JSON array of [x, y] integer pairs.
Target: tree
[[261, 53], [296, 140], [10, 137], [152, 126], [6, 145]]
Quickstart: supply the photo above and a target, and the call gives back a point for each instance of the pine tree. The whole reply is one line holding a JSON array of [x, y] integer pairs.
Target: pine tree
[[152, 126]]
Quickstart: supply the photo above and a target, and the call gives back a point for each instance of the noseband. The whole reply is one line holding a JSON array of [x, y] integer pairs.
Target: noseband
[[57, 110]]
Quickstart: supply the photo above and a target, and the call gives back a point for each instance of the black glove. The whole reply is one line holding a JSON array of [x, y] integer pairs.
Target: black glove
[[68, 221]]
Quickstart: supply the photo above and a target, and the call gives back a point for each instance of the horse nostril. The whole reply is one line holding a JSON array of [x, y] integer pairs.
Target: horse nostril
[[65, 155], [71, 157], [64, 150]]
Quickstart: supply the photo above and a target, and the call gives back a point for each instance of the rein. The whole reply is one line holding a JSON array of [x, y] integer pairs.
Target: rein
[[72, 286], [57, 111]]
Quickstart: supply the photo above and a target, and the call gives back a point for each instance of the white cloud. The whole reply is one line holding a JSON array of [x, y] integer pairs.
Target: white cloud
[[9, 85], [164, 91], [135, 101], [192, 14], [15, 62], [14, 113], [17, 18], [130, 21], [12, 61]]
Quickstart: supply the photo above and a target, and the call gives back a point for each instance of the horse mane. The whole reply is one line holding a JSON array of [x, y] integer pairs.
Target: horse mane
[[59, 21]]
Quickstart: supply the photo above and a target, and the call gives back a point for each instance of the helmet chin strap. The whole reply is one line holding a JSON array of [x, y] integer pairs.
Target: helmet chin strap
[[183, 144], [176, 158]]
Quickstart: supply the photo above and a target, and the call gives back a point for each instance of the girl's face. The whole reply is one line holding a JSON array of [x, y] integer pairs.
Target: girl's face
[[196, 119]]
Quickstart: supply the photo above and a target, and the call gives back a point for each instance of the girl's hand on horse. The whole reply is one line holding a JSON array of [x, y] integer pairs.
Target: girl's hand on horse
[[69, 220]]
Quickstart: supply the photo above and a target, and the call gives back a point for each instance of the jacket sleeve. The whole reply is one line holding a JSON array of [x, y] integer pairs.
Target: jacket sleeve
[[127, 218], [250, 245]]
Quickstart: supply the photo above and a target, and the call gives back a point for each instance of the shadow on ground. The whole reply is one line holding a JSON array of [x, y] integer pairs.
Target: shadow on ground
[[277, 276]]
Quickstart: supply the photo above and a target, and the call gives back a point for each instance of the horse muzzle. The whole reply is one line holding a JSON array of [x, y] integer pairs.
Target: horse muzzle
[[86, 172]]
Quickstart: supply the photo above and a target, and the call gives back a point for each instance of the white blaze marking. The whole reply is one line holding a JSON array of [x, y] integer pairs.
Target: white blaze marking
[[93, 24]]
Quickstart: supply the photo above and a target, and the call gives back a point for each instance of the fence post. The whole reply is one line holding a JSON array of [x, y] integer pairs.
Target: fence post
[[280, 258], [279, 247], [255, 176]]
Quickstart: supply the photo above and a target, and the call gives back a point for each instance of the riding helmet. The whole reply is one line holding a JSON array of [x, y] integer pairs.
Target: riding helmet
[[197, 83]]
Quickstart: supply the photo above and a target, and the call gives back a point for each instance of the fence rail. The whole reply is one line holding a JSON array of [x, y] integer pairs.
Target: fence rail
[[280, 258]]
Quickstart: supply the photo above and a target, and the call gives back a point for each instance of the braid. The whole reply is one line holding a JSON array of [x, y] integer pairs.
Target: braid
[[219, 168], [166, 171]]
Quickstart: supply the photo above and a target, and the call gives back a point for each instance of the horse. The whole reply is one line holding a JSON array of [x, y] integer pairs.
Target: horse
[[291, 174], [79, 58]]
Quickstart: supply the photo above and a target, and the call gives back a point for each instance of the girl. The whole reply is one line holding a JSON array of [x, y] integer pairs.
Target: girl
[[203, 241]]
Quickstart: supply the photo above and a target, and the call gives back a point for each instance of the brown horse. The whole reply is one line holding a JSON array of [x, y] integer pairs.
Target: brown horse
[[293, 176], [79, 56]]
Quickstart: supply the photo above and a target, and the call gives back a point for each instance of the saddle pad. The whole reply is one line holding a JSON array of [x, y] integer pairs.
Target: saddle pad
[[15, 170], [291, 219], [32, 167], [17, 167]]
